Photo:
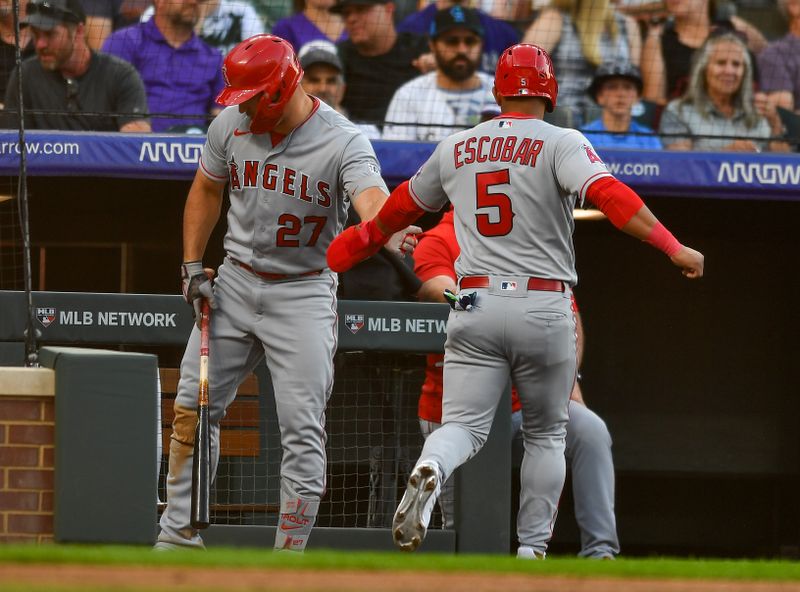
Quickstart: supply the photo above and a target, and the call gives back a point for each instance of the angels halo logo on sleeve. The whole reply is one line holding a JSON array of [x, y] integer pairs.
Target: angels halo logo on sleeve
[[354, 322], [46, 315]]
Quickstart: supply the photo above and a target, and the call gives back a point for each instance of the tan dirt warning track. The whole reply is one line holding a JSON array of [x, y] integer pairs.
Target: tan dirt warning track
[[180, 579]]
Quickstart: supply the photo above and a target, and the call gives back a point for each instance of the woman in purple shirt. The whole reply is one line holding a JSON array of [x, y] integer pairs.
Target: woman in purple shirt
[[316, 21]]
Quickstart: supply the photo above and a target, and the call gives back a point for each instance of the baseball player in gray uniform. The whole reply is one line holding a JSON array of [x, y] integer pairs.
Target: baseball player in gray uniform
[[513, 181], [293, 166]]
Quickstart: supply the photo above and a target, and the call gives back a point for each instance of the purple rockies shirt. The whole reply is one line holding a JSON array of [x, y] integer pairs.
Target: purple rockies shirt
[[182, 81], [298, 31]]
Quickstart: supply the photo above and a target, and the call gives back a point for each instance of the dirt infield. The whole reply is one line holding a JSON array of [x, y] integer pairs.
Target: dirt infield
[[57, 577]]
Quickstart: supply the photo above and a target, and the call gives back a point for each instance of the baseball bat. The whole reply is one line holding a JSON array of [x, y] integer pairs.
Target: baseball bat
[[201, 464]]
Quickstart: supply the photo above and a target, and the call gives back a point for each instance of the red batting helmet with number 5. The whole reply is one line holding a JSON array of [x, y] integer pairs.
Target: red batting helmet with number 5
[[526, 71], [261, 64]]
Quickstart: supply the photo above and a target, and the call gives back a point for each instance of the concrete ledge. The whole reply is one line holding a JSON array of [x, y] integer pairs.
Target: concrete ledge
[[27, 382]]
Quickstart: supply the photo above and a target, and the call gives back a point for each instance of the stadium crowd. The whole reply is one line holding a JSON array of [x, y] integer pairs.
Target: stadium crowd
[[685, 74]]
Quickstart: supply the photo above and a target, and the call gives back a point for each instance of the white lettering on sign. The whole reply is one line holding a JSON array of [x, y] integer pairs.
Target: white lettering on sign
[[383, 325], [425, 325], [76, 317], [170, 152], [118, 318], [136, 319]]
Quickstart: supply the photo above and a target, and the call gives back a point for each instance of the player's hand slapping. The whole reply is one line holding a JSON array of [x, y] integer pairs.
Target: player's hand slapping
[[404, 242], [690, 261], [196, 284]]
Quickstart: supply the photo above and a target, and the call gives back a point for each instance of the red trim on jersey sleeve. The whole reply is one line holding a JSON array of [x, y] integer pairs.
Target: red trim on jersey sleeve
[[615, 199], [209, 174], [399, 211]]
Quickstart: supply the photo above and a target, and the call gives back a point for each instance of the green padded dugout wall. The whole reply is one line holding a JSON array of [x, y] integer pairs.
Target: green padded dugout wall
[[105, 445]]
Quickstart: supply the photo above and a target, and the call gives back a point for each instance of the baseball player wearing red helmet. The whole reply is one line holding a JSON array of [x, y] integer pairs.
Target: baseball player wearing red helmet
[[588, 442], [513, 182], [292, 166]]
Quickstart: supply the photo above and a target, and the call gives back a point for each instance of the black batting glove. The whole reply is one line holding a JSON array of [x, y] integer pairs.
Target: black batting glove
[[196, 285]]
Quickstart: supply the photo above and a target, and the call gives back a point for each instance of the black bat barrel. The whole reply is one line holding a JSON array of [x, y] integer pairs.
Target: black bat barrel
[[201, 471]]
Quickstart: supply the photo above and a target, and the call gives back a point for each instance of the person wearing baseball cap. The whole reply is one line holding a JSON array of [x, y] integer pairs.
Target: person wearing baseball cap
[[497, 34], [70, 86], [48, 14], [323, 78], [434, 105], [617, 88]]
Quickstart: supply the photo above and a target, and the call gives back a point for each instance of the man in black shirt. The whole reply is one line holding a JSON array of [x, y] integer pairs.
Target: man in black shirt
[[69, 87], [377, 59]]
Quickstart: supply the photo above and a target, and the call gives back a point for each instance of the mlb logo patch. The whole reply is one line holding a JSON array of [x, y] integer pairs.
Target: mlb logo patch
[[508, 286], [354, 322], [46, 316], [504, 123]]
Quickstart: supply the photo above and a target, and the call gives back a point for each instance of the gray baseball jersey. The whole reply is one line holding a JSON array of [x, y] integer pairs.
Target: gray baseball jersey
[[513, 182], [288, 201], [287, 204], [527, 231]]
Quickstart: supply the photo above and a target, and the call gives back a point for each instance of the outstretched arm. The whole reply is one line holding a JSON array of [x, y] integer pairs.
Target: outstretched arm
[[366, 238], [627, 211]]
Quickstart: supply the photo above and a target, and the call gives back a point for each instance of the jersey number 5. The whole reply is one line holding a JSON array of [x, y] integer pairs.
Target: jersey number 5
[[291, 226], [485, 198]]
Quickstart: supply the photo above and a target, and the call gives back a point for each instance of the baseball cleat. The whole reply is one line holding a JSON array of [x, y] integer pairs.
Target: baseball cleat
[[526, 552], [414, 512]]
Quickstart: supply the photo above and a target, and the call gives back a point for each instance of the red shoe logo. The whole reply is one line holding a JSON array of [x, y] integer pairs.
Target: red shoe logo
[[238, 132]]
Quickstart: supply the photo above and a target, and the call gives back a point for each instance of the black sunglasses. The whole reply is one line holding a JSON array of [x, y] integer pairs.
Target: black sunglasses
[[47, 9]]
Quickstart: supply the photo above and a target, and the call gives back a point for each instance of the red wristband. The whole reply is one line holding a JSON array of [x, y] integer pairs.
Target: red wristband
[[662, 239]]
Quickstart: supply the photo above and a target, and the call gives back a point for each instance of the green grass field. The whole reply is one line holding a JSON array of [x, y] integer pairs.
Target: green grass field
[[740, 570]]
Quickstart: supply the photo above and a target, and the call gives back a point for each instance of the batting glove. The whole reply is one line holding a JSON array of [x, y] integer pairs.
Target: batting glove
[[196, 285]]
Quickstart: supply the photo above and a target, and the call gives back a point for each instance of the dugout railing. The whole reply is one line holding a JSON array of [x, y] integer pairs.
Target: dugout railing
[[373, 441]]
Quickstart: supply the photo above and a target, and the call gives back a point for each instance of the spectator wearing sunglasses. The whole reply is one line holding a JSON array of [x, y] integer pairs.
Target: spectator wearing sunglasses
[[67, 85], [432, 106]]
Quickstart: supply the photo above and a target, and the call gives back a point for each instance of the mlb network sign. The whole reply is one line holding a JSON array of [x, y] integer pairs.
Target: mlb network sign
[[48, 316], [357, 322]]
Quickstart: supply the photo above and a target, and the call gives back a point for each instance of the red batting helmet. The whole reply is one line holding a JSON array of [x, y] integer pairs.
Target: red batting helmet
[[261, 64], [526, 71]]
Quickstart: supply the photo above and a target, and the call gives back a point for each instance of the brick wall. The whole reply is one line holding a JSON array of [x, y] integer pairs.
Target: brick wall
[[26, 454]]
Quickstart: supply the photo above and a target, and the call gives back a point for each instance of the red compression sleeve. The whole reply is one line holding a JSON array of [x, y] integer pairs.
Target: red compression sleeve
[[662, 239], [615, 199], [399, 211]]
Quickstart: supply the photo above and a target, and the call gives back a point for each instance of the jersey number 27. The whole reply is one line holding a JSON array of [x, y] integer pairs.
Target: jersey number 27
[[291, 226]]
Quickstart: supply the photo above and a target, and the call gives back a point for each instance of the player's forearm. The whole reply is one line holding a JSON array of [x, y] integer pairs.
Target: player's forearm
[[626, 210], [200, 215], [369, 202], [433, 289]]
